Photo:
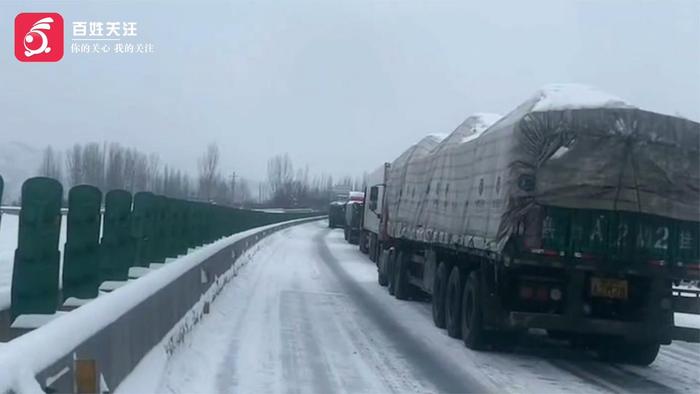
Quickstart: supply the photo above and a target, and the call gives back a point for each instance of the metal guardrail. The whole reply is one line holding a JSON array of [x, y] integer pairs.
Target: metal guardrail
[[109, 347]]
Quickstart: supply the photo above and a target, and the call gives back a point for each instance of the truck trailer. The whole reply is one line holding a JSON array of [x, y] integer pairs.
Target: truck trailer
[[575, 213]]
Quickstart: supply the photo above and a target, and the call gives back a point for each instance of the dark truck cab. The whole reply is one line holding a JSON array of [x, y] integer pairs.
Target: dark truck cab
[[353, 221], [336, 214]]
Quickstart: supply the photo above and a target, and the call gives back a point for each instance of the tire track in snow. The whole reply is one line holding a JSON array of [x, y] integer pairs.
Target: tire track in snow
[[427, 364]]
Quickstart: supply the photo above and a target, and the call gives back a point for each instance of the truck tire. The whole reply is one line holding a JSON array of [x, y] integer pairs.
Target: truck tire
[[402, 287], [363, 242], [391, 261], [439, 286], [453, 303], [372, 246], [473, 332], [381, 268], [642, 354]]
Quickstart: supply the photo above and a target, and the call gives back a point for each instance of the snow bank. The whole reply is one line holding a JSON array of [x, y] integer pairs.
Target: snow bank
[[24, 357], [146, 375], [557, 97]]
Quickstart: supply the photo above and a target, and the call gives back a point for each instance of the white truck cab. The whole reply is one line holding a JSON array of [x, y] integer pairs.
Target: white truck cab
[[370, 235]]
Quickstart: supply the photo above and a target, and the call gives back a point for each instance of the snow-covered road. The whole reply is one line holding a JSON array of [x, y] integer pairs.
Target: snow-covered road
[[307, 315]]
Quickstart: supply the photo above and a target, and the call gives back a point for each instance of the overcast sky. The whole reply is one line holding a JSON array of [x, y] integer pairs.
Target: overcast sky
[[340, 86]]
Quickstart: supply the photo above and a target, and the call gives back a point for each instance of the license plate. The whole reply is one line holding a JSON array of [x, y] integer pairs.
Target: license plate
[[609, 288]]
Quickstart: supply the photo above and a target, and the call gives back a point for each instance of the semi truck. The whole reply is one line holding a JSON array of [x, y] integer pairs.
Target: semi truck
[[574, 214]]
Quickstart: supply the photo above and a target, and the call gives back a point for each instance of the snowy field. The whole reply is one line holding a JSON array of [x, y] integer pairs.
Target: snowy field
[[306, 315], [8, 243]]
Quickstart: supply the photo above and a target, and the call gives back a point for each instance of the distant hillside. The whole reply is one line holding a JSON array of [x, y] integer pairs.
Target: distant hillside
[[18, 161]]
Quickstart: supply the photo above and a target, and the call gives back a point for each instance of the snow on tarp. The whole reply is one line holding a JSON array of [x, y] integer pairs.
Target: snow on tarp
[[567, 146], [472, 127], [557, 97], [22, 358]]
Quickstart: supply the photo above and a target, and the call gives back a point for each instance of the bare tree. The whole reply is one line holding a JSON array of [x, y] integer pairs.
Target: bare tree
[[93, 164], [152, 171], [242, 192], [74, 166], [280, 174], [51, 164], [208, 171], [115, 174]]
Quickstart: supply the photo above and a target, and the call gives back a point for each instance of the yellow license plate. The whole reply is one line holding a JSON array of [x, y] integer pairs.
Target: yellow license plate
[[609, 288]]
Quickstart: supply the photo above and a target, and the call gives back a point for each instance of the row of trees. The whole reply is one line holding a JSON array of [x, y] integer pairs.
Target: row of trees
[[112, 166], [288, 188]]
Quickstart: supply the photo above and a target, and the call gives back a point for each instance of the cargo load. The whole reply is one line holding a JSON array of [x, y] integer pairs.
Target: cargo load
[[603, 175]]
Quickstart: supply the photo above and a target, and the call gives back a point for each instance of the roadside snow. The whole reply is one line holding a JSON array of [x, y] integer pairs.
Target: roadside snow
[[556, 97], [147, 374], [34, 320]]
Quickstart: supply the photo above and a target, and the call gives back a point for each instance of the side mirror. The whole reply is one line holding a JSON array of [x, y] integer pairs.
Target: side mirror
[[373, 206]]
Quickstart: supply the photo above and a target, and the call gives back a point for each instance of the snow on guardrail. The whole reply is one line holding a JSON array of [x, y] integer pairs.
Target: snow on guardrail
[[24, 357]]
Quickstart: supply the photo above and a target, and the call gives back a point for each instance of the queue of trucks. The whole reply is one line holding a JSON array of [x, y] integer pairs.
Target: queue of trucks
[[574, 214]]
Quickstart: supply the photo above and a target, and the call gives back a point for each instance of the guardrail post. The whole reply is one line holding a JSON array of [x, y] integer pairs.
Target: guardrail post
[[160, 230], [81, 253], [182, 241], [143, 227], [117, 246], [36, 264]]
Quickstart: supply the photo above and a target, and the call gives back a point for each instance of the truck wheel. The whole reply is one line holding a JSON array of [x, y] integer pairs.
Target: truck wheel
[[390, 263], [439, 286], [641, 353], [472, 317], [453, 303], [402, 287], [634, 353], [372, 248], [381, 269], [362, 240]]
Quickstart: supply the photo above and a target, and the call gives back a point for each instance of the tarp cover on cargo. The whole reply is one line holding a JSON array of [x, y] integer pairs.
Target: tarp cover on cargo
[[567, 146]]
